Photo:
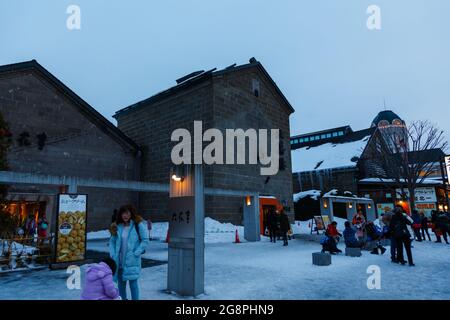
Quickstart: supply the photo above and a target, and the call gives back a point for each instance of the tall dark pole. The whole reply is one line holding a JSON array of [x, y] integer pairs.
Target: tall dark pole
[[445, 183]]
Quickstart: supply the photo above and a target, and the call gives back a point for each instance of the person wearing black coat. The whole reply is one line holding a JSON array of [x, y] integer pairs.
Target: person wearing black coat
[[442, 223], [402, 237], [285, 226], [424, 226], [272, 226]]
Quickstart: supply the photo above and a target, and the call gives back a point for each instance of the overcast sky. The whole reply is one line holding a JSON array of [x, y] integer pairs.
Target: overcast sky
[[331, 67]]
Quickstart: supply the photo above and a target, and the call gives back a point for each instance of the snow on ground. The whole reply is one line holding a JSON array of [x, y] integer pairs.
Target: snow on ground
[[264, 270]]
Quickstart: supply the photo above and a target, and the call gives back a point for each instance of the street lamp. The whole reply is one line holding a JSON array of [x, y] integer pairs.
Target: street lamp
[[178, 173]]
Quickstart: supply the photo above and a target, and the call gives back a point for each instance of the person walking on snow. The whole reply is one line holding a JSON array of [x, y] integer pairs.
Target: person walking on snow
[[285, 226], [129, 239], [417, 224], [424, 226], [272, 225], [399, 230]]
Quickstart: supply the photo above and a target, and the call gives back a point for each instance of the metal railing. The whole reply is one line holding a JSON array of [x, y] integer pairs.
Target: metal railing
[[25, 252]]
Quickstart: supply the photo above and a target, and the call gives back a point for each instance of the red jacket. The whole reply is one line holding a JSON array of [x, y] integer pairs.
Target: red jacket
[[332, 231]]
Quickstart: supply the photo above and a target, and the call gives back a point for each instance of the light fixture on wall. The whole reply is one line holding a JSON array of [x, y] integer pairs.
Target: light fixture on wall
[[446, 208], [178, 173], [325, 204], [369, 206], [350, 205], [248, 200]]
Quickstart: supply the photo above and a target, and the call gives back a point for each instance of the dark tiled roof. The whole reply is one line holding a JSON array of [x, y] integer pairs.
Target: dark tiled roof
[[199, 77], [83, 106]]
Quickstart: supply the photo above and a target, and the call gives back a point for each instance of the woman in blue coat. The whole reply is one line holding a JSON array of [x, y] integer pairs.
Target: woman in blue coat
[[129, 238]]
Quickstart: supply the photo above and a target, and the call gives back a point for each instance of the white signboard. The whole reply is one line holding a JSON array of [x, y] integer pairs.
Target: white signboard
[[447, 168], [422, 195], [71, 231]]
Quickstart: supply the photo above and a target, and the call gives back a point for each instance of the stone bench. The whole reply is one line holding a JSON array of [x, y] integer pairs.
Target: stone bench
[[353, 252], [321, 259]]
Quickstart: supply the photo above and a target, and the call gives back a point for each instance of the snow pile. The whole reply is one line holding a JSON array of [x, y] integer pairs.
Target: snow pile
[[96, 235], [159, 231], [16, 248], [215, 232], [328, 156], [333, 192], [314, 194]]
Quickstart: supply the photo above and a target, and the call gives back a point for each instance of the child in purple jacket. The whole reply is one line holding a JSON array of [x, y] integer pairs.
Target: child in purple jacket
[[99, 284]]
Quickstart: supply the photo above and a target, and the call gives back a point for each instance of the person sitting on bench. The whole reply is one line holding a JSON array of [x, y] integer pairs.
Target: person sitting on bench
[[329, 244], [351, 241]]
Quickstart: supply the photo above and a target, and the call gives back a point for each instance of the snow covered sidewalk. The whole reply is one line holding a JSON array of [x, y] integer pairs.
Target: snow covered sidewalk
[[264, 270]]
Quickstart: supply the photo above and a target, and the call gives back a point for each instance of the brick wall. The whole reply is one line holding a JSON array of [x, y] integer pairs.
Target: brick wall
[[75, 145], [224, 102]]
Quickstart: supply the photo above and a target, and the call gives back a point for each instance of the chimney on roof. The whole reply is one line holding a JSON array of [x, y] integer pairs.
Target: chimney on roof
[[253, 60]]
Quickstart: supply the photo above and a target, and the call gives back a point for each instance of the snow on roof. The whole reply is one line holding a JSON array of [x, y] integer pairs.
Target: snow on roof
[[348, 198], [314, 194], [380, 180], [332, 192], [328, 156]]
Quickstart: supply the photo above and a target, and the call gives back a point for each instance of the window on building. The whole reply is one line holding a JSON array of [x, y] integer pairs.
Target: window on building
[[301, 140], [335, 134], [323, 136], [317, 137], [341, 133], [328, 135], [312, 138], [256, 87], [306, 139]]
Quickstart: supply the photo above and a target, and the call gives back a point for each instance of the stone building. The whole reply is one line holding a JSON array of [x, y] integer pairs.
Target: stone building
[[55, 132], [236, 97], [340, 161]]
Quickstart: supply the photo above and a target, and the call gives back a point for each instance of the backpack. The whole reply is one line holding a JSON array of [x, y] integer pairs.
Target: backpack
[[136, 226], [400, 230]]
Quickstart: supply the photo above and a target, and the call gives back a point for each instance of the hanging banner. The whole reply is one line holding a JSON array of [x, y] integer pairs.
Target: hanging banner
[[426, 208], [422, 195], [447, 168], [71, 228]]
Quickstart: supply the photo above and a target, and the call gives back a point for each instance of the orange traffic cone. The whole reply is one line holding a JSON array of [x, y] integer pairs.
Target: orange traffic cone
[[236, 240], [167, 236]]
